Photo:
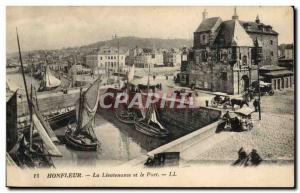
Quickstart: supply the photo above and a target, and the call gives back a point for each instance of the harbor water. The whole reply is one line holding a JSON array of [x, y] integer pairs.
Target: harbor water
[[119, 142], [116, 147]]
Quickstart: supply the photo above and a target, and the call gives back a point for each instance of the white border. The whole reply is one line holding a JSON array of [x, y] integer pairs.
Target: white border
[[4, 3]]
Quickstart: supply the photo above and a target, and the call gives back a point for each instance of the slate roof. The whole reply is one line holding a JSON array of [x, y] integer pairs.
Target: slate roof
[[254, 27], [207, 24], [232, 34], [111, 51]]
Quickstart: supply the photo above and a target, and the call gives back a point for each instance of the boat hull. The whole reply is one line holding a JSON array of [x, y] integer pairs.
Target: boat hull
[[57, 121], [78, 144], [150, 130], [130, 119], [42, 89]]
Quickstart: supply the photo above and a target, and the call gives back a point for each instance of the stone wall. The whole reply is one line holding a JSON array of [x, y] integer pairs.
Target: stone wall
[[189, 118], [49, 101], [267, 48]]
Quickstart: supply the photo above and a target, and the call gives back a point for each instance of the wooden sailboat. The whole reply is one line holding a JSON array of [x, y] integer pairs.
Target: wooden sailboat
[[150, 125], [124, 114], [49, 81], [35, 152], [81, 136]]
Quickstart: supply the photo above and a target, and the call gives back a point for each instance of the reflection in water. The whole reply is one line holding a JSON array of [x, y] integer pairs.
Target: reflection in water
[[144, 141], [119, 142], [116, 147]]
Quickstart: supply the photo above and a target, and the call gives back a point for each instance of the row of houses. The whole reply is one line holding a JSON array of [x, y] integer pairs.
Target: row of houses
[[114, 59], [145, 57]]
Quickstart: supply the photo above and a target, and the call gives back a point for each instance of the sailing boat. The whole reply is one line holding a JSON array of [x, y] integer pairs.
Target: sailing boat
[[81, 136], [36, 152], [49, 81], [150, 125], [123, 114]]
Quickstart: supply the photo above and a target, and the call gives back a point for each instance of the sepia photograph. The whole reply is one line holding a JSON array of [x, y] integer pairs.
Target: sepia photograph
[[150, 96]]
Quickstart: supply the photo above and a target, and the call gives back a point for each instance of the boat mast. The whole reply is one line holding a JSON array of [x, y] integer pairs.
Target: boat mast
[[118, 67], [25, 85], [118, 60], [148, 82], [79, 118]]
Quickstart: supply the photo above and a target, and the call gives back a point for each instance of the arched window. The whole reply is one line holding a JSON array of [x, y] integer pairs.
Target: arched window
[[204, 55], [244, 62]]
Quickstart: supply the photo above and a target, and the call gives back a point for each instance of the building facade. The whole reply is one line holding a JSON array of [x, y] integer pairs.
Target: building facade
[[91, 60], [107, 59], [145, 57], [286, 56], [221, 59], [172, 57], [280, 77]]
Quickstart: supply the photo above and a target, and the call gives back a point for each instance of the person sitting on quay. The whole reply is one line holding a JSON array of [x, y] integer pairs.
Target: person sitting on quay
[[254, 158], [242, 157]]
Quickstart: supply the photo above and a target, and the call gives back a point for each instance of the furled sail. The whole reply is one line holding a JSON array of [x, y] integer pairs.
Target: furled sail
[[89, 107], [51, 80]]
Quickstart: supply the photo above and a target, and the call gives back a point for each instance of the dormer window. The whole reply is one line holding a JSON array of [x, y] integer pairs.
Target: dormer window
[[246, 26], [268, 28]]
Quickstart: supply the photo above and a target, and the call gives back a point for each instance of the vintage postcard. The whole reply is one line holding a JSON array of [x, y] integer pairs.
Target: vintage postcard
[[149, 96]]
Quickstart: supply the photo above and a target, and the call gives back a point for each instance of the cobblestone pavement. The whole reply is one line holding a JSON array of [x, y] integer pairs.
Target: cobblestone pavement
[[272, 137]]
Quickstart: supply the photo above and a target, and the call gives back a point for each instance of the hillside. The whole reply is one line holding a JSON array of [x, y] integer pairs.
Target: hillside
[[131, 42], [124, 42]]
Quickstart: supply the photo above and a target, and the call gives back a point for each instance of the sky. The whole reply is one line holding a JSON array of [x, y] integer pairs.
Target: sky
[[52, 27]]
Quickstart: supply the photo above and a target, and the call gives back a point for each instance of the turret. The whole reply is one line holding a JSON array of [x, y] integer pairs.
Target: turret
[[257, 20], [204, 14], [235, 16]]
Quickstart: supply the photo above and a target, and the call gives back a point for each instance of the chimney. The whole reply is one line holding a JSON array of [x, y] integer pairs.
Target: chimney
[[235, 16], [204, 14]]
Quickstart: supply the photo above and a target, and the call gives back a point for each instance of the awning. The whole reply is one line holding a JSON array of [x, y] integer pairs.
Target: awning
[[245, 111], [279, 73], [51, 148], [262, 83], [144, 81]]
